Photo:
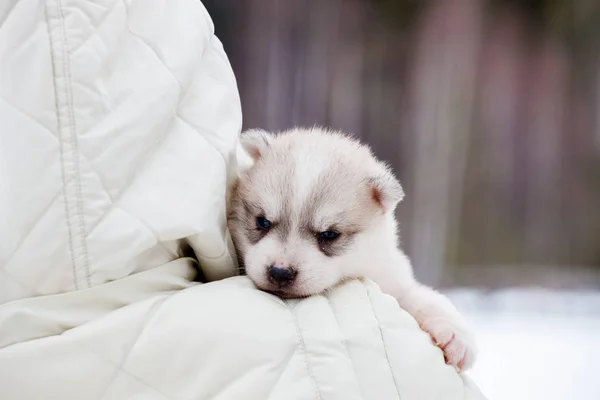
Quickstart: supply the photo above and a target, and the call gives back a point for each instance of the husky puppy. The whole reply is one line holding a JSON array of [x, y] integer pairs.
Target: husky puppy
[[315, 207]]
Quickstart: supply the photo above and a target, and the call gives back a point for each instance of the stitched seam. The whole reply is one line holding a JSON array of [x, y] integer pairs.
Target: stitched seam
[[304, 353], [138, 166], [142, 161], [345, 343], [61, 149], [67, 136], [82, 234], [387, 357], [54, 136], [75, 151], [114, 201]]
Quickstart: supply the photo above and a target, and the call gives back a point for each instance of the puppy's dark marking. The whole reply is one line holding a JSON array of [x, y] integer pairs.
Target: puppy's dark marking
[[336, 247]]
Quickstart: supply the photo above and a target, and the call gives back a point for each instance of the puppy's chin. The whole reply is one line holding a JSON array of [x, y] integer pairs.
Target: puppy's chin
[[294, 291], [291, 292]]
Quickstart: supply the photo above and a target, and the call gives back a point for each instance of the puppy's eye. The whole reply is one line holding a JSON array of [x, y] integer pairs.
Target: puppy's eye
[[328, 236], [263, 224]]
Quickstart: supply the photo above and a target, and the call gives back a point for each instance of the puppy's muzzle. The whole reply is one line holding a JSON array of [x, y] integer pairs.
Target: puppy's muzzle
[[281, 276]]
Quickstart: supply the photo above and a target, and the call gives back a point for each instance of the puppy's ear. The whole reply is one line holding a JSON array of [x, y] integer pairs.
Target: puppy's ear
[[386, 191], [256, 142]]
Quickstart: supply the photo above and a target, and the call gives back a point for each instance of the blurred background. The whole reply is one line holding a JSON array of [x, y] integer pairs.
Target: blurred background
[[489, 112]]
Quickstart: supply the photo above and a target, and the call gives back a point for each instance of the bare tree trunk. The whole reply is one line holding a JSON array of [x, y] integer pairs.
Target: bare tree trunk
[[445, 76], [281, 63], [597, 114], [321, 33], [346, 107], [499, 102], [545, 128]]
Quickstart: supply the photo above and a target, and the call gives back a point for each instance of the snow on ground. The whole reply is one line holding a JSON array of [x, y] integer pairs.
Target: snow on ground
[[534, 344]]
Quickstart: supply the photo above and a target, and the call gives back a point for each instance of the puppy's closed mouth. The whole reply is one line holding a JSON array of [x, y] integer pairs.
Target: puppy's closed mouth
[[285, 295], [278, 293]]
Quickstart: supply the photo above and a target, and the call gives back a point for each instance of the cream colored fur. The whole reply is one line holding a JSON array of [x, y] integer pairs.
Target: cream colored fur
[[305, 181]]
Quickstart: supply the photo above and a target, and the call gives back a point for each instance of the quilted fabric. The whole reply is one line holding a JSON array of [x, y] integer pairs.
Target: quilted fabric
[[353, 344], [119, 127], [119, 131]]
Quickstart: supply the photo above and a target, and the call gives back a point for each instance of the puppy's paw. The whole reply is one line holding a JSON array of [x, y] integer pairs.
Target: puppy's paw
[[454, 339]]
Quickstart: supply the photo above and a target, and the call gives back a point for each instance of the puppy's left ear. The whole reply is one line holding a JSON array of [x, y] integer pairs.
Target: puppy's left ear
[[256, 142], [386, 190]]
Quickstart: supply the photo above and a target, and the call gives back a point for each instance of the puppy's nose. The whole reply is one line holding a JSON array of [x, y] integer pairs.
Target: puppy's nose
[[281, 275]]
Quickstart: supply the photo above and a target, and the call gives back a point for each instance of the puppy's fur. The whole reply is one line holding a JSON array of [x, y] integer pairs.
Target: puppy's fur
[[308, 181]]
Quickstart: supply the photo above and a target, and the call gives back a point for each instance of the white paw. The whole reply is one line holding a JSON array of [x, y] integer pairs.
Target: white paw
[[454, 339]]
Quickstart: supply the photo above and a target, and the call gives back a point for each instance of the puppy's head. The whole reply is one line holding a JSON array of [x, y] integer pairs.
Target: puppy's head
[[312, 208]]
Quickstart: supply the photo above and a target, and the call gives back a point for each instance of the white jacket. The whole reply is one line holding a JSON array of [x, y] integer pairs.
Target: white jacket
[[118, 131]]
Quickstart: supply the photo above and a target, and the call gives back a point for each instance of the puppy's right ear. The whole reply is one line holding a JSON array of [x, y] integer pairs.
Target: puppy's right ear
[[256, 142], [386, 189]]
